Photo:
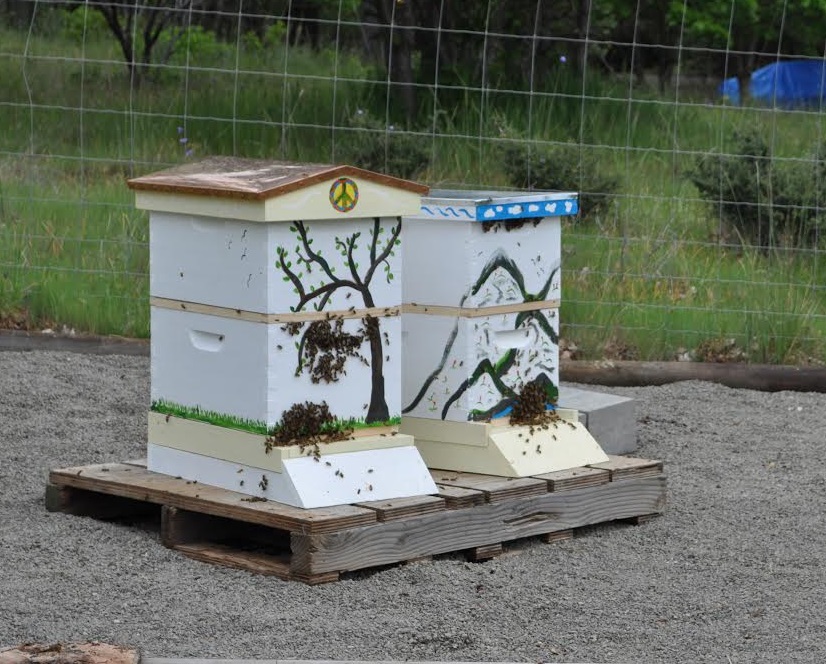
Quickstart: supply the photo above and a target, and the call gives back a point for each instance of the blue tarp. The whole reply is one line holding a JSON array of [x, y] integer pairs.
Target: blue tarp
[[788, 84]]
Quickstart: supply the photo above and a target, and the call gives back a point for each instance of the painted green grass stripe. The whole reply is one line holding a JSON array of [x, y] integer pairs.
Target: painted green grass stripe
[[255, 426]]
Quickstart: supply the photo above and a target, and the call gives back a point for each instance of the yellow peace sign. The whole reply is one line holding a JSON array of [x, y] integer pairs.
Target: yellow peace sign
[[344, 194]]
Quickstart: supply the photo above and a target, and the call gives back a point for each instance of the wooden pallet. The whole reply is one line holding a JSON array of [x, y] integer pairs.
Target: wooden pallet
[[471, 513]]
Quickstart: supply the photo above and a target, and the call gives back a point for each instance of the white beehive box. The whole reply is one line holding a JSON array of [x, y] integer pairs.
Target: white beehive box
[[274, 284], [481, 291]]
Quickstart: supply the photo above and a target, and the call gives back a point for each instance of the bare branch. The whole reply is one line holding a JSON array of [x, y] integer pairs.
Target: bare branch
[[397, 229]]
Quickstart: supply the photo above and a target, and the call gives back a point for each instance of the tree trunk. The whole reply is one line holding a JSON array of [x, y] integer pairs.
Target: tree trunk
[[377, 410]]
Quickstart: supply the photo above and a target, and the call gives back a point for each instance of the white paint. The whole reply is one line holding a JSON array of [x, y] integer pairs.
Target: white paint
[[443, 260], [351, 477], [477, 339], [252, 374], [232, 263]]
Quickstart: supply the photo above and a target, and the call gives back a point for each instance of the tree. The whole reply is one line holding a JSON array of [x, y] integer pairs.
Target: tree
[[138, 27], [381, 248]]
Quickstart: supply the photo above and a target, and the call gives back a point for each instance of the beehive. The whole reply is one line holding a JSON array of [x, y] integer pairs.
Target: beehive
[[481, 291], [273, 286]]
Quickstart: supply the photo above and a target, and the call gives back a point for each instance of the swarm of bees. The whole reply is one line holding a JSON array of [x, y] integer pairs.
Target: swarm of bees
[[306, 424], [530, 408], [507, 224], [325, 347]]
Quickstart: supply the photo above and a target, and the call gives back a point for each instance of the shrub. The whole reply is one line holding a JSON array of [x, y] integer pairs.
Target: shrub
[[374, 147], [762, 200], [561, 168]]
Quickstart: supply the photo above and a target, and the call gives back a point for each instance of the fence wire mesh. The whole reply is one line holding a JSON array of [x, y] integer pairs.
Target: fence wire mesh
[[701, 192]]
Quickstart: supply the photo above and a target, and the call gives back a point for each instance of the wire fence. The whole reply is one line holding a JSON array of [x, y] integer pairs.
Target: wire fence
[[693, 132]]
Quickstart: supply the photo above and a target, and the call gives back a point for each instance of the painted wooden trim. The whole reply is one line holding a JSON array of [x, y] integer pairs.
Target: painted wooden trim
[[248, 448], [477, 312], [475, 434], [306, 203], [508, 451], [256, 317]]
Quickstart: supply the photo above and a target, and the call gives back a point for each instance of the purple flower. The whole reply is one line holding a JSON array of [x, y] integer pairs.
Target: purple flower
[[183, 140], [180, 130], [563, 59]]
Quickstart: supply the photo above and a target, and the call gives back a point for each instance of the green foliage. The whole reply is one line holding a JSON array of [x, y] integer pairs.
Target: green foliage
[[564, 167], [374, 147], [763, 200]]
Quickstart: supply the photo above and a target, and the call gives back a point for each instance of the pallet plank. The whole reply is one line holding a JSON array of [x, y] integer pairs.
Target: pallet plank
[[402, 508], [251, 561], [457, 497], [138, 483], [565, 480], [480, 553], [453, 530], [622, 467], [495, 488]]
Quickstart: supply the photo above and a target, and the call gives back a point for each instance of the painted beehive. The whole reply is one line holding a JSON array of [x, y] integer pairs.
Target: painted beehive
[[481, 291], [275, 299]]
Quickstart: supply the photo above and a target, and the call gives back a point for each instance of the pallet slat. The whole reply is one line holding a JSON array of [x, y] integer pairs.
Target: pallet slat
[[621, 467], [565, 480], [403, 508], [141, 484], [495, 488]]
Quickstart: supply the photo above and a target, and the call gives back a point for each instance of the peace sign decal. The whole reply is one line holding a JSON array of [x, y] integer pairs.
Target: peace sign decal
[[344, 194]]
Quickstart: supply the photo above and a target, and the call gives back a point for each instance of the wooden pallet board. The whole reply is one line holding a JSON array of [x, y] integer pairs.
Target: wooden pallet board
[[474, 514]]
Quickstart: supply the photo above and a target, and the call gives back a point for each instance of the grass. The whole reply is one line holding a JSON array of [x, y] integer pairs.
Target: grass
[[655, 274], [255, 426]]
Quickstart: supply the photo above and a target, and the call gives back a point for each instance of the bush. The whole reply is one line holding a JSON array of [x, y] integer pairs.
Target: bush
[[561, 168], [374, 147], [762, 200]]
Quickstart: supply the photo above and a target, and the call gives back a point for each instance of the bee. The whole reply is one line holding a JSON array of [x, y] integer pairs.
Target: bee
[[241, 483], [263, 483], [387, 358], [327, 463], [348, 296], [280, 347], [316, 459], [370, 487], [167, 417], [369, 470], [358, 491]]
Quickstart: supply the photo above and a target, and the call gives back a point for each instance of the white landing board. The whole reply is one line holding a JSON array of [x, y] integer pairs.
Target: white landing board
[[335, 479]]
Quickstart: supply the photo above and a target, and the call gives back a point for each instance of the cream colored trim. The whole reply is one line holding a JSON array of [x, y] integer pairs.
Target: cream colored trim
[[475, 434], [478, 312], [249, 449], [256, 317]]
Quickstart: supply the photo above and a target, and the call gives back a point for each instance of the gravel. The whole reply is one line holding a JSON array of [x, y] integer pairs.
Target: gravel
[[732, 572]]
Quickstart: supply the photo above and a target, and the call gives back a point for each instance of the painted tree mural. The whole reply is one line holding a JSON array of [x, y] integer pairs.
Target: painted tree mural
[[324, 346], [498, 369]]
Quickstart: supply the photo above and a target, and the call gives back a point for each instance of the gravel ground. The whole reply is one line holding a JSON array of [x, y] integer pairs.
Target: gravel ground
[[731, 573]]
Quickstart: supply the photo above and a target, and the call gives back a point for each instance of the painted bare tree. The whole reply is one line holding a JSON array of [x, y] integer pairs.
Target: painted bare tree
[[308, 261]]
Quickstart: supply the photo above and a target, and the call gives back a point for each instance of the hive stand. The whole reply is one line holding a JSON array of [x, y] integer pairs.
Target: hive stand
[[276, 285]]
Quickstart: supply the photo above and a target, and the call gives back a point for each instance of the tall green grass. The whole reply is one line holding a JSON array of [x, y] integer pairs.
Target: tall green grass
[[653, 273]]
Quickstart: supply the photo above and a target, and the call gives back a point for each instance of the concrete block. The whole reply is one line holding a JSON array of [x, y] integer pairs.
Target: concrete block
[[611, 419]]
